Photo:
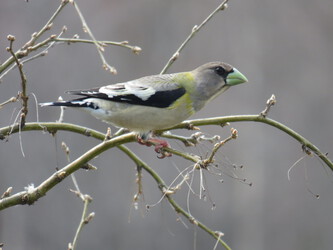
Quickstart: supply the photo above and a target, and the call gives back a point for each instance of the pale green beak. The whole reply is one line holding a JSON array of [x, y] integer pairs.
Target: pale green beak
[[235, 78]]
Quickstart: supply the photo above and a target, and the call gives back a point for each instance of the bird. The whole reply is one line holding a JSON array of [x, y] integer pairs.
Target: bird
[[155, 102]]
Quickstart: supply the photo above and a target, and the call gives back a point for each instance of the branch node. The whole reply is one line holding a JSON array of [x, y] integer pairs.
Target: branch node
[[108, 135], [193, 221], [224, 6], [89, 166], [49, 26], [7, 193], [190, 126], [87, 132], [61, 175], [234, 133], [136, 50], [65, 148], [225, 124], [306, 150], [25, 198], [89, 218], [11, 38], [87, 197], [64, 29], [219, 234], [270, 102], [175, 56]]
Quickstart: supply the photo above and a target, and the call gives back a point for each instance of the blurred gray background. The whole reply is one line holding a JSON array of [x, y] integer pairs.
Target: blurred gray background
[[284, 48]]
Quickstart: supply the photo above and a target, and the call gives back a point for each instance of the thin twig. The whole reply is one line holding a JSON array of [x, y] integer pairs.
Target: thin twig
[[77, 190], [139, 192], [124, 44], [46, 27], [12, 99], [192, 140], [84, 220], [217, 146], [270, 102], [162, 186], [25, 50], [7, 193], [23, 94], [195, 29], [99, 48]]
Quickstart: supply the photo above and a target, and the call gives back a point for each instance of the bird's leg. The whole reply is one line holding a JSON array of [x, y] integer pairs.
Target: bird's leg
[[159, 145]]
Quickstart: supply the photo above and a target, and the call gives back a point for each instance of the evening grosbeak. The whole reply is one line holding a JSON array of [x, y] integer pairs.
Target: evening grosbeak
[[156, 102]]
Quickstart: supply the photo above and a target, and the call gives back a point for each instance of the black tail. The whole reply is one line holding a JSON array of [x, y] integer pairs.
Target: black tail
[[77, 103]]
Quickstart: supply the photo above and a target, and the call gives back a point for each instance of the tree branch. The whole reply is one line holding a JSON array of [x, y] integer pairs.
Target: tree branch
[[23, 94], [163, 187], [195, 29], [24, 51], [33, 194], [306, 144], [53, 127]]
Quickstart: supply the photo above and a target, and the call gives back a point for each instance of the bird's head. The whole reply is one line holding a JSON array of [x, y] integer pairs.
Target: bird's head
[[214, 78]]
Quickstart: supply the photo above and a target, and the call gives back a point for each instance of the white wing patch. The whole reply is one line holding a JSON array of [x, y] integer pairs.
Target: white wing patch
[[128, 88]]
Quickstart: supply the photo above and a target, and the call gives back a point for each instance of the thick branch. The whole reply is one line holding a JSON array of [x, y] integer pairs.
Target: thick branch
[[29, 197], [33, 194], [53, 127]]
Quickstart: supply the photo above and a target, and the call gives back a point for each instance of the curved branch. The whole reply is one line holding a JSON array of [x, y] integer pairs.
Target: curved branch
[[174, 204], [306, 144], [32, 194], [53, 127]]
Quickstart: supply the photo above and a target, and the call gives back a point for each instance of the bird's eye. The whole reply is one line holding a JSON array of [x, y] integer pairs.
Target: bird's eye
[[220, 71]]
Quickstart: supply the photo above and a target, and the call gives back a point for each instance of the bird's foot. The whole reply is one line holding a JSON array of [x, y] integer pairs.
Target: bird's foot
[[159, 146]]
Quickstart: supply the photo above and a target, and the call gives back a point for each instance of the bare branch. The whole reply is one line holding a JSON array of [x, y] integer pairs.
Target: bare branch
[[217, 146], [124, 44], [12, 99], [270, 102], [100, 49], [195, 29], [7, 193], [24, 51], [84, 220], [23, 95], [46, 27]]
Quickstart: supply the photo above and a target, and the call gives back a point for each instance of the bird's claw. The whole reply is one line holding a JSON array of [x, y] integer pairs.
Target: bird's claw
[[159, 146], [159, 149]]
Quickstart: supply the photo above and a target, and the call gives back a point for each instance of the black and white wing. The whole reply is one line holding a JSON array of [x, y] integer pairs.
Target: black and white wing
[[153, 91]]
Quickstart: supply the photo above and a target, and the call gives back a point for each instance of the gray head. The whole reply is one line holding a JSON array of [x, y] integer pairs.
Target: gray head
[[214, 78]]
